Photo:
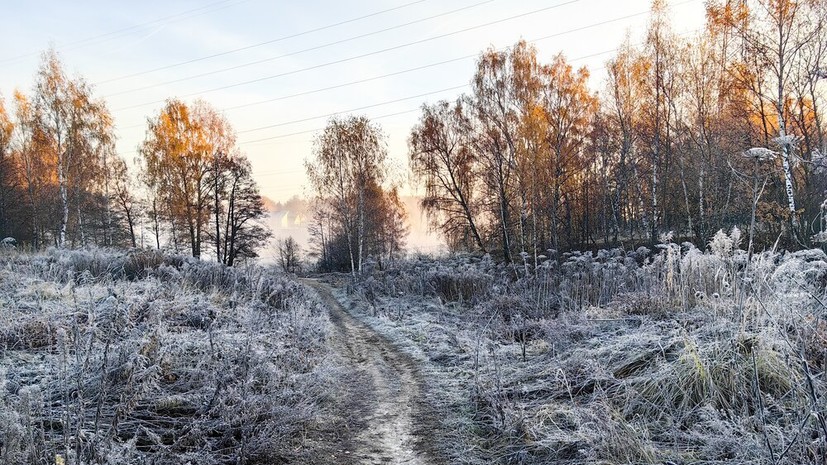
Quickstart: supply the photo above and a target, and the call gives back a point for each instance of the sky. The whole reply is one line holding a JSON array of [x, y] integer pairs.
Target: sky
[[279, 69]]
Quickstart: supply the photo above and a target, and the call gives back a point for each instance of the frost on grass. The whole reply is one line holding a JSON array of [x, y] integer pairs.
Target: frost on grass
[[144, 358], [677, 355]]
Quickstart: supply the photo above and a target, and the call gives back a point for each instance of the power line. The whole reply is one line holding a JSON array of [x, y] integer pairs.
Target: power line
[[416, 96], [134, 126], [272, 41], [298, 52], [388, 102], [350, 110], [439, 63], [396, 73], [582, 57], [375, 52], [417, 109], [336, 86], [120, 32], [281, 136], [286, 123]]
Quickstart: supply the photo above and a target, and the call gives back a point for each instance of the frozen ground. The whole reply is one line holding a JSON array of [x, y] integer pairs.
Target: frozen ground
[[674, 356], [139, 358], [669, 356]]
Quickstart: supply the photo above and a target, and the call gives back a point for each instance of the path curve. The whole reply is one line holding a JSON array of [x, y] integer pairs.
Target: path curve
[[395, 390]]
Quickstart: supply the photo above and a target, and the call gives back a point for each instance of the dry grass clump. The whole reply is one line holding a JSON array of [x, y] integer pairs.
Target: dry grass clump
[[95, 264], [29, 334], [511, 318], [206, 367], [622, 441], [252, 283], [727, 376]]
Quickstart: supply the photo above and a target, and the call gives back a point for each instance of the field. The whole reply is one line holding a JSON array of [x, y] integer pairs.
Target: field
[[673, 355], [669, 356], [140, 358]]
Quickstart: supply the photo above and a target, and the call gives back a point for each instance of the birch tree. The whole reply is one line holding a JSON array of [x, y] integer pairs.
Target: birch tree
[[348, 171], [773, 35], [496, 114], [178, 160], [569, 108], [7, 176], [624, 98], [196, 175], [74, 127]]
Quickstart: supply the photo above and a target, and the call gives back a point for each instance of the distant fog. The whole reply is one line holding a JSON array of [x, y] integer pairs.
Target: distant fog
[[291, 218]]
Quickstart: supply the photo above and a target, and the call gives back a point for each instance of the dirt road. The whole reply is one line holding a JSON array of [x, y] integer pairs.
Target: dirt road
[[393, 399]]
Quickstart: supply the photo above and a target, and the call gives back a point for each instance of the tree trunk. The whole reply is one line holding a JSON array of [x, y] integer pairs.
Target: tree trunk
[[504, 224], [131, 223], [229, 232], [360, 235], [64, 197], [216, 207], [107, 227], [782, 131], [81, 232], [156, 223], [193, 243]]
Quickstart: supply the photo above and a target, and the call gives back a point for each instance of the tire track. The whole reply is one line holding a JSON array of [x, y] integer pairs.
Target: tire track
[[394, 393]]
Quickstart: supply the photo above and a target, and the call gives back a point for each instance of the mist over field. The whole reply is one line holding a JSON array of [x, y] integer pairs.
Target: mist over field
[[290, 219]]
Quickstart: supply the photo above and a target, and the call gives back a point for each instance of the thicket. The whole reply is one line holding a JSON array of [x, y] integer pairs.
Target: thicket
[[63, 184]]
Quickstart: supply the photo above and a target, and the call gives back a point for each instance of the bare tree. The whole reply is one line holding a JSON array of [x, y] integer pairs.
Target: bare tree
[[496, 113], [289, 251], [240, 212], [124, 197], [442, 158]]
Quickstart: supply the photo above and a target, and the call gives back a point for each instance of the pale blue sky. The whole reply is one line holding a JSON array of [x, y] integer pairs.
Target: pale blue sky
[[105, 41]]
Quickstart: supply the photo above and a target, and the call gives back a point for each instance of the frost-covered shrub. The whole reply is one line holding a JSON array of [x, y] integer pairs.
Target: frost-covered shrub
[[138, 263], [83, 266], [511, 318], [268, 287], [586, 281], [643, 304], [706, 275], [804, 270], [12, 429], [29, 333], [723, 245]]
